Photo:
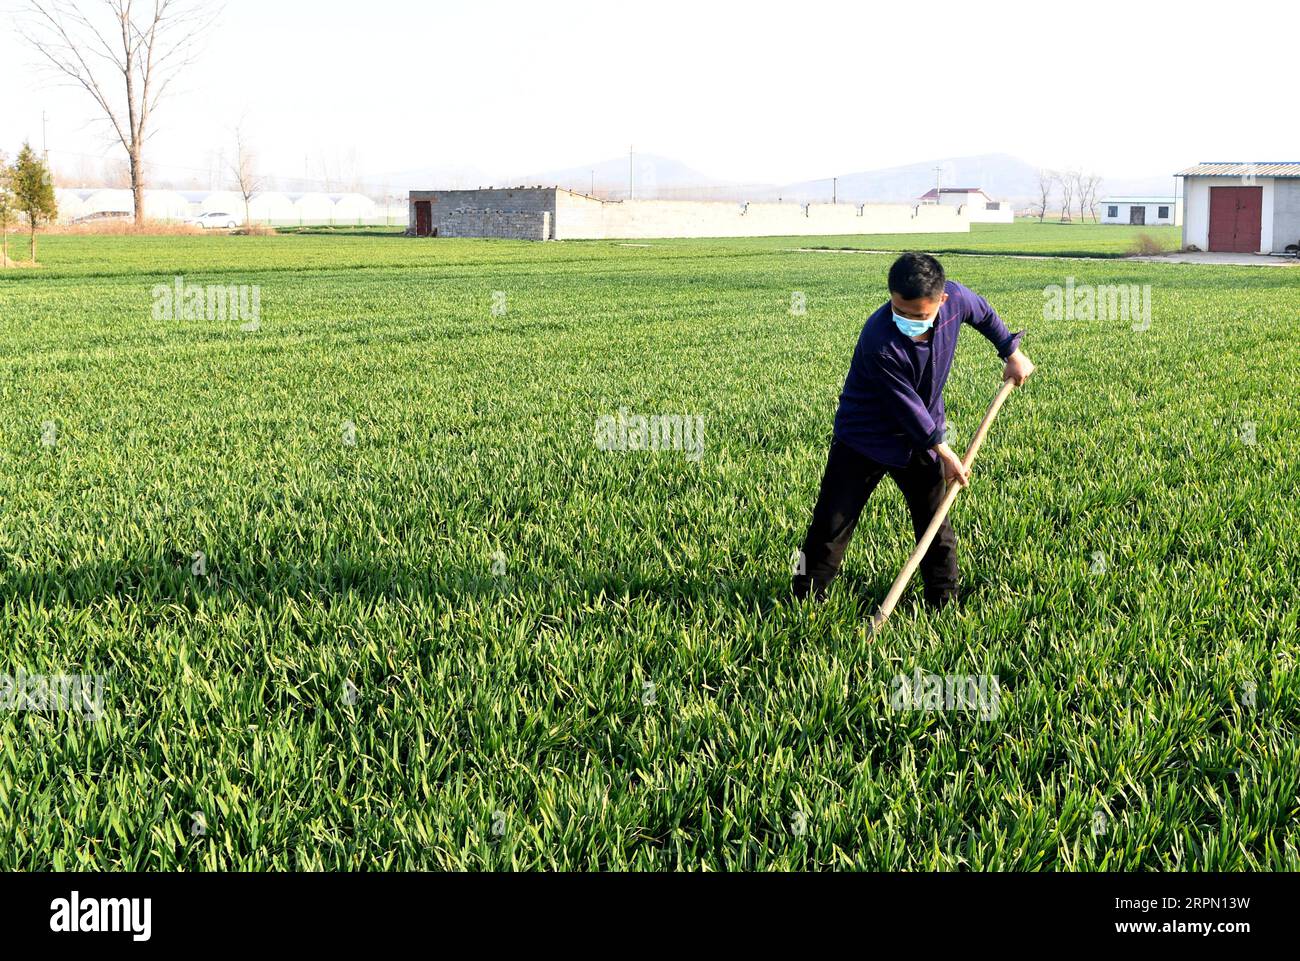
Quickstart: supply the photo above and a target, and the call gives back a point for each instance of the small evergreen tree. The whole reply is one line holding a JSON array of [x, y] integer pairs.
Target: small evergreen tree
[[6, 207], [33, 190]]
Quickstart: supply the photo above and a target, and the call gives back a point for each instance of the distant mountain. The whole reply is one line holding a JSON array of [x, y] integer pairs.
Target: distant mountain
[[1002, 176]]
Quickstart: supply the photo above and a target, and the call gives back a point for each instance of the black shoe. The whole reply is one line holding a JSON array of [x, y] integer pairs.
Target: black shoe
[[802, 586], [942, 600]]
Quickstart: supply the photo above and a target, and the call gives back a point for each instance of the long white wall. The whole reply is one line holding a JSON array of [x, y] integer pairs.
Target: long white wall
[[1004, 214], [583, 218]]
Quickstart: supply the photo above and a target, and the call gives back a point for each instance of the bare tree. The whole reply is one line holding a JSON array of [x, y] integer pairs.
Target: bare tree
[[245, 173], [1091, 187], [125, 54], [1046, 181], [1067, 182], [1081, 191]]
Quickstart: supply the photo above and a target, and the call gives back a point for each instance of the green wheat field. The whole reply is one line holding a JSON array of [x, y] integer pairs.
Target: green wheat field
[[364, 593]]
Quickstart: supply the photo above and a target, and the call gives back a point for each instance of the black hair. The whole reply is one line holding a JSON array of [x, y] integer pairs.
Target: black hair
[[914, 276]]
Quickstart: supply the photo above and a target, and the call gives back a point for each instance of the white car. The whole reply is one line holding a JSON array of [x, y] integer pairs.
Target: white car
[[216, 221]]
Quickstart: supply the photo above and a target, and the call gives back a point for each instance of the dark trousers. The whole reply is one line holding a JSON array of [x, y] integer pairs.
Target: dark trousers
[[849, 480]]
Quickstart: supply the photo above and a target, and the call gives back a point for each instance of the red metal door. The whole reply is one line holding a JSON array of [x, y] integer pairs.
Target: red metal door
[[423, 218], [1236, 216], [1250, 216]]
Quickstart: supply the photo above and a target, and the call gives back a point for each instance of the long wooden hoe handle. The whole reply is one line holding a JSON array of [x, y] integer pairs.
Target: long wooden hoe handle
[[923, 545]]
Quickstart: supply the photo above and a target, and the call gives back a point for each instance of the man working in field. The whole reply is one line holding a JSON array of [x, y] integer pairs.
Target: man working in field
[[891, 420]]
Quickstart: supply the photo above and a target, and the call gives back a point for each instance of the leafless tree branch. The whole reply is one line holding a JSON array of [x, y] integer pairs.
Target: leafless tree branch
[[1046, 181], [243, 168], [124, 54]]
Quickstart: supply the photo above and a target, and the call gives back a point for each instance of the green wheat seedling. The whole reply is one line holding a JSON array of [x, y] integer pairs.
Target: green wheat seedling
[[365, 592]]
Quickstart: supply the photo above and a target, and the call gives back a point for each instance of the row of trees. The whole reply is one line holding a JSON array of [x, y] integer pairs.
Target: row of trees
[[1074, 187], [27, 191]]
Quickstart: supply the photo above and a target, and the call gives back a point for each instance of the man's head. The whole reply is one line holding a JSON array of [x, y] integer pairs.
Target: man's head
[[916, 286]]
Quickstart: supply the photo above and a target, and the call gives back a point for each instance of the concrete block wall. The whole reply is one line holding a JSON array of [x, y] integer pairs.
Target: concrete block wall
[[1286, 212], [504, 224], [512, 213]]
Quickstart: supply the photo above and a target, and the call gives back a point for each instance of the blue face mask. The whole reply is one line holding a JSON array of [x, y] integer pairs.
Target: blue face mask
[[912, 328]]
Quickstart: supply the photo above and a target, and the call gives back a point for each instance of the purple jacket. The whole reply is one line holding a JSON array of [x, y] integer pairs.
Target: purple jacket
[[892, 403]]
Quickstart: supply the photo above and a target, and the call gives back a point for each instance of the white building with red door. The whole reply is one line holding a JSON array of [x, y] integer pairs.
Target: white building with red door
[[1249, 208]]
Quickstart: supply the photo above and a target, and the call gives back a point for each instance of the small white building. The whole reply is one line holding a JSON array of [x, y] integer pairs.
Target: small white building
[[1242, 207], [1141, 211], [982, 208]]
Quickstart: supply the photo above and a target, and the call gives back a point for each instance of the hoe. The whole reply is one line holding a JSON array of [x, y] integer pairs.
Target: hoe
[[923, 545]]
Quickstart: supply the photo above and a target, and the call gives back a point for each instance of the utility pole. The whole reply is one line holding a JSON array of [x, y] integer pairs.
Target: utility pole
[[938, 184], [593, 183], [835, 190]]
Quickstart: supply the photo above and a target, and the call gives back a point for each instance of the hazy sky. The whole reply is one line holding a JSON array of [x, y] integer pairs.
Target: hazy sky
[[758, 92]]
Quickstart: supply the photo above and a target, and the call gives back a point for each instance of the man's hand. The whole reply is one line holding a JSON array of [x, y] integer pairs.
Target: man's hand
[[952, 465], [1018, 368]]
